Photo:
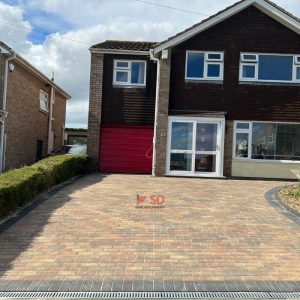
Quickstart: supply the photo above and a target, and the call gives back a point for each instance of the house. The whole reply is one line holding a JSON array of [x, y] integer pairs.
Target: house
[[75, 136], [32, 111], [220, 99]]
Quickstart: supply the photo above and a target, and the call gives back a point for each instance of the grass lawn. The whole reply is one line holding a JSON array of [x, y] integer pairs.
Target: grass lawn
[[291, 197]]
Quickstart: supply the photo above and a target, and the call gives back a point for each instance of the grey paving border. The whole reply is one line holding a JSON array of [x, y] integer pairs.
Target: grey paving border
[[272, 197], [285, 205], [149, 286]]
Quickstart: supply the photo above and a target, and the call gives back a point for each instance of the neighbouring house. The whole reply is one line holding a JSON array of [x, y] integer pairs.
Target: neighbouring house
[[75, 136], [32, 112], [221, 98]]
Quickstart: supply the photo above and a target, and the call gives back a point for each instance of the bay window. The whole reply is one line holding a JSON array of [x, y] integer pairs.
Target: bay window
[[269, 141], [269, 67], [204, 65], [129, 73]]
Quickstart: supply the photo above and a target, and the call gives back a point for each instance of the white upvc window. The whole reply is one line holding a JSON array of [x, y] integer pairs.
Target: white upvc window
[[265, 67], [129, 72], [44, 101], [242, 140], [266, 141], [203, 65]]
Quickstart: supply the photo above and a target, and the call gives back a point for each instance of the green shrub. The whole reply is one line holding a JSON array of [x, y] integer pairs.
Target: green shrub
[[20, 186]]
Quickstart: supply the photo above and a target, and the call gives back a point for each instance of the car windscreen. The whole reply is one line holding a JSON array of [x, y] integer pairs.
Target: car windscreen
[[77, 150]]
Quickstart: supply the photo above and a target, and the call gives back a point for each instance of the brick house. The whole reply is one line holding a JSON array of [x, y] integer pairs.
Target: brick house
[[221, 98], [32, 112]]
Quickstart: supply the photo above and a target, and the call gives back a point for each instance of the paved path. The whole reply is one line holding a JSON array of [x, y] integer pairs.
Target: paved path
[[210, 235]]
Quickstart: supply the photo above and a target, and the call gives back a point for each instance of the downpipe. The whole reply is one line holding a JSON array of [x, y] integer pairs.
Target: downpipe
[[152, 57], [4, 101]]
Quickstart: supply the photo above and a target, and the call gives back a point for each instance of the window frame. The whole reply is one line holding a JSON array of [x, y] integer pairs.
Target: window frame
[[247, 62], [207, 61], [42, 94], [128, 70], [242, 130], [250, 132], [255, 65]]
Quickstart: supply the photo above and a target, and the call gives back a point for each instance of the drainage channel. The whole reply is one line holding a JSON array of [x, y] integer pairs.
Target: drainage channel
[[148, 295]]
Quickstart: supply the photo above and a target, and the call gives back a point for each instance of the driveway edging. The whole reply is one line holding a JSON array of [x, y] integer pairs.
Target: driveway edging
[[273, 198]]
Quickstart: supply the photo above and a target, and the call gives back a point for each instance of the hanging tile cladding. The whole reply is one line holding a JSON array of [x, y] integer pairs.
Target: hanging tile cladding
[[248, 31], [128, 105]]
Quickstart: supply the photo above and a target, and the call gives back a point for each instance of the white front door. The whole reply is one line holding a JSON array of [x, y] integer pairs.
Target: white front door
[[195, 147]]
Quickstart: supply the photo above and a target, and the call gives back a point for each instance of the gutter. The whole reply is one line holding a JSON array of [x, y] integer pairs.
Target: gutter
[[118, 51], [152, 57]]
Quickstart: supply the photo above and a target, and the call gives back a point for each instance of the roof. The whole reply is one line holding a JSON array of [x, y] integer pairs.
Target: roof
[[266, 6], [33, 69], [134, 46]]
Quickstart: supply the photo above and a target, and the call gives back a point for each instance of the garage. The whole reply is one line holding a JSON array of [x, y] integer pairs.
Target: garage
[[126, 149]]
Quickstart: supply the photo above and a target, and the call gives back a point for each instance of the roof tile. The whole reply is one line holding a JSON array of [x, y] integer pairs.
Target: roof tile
[[125, 45]]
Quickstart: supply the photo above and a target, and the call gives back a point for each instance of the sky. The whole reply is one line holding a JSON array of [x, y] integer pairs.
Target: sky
[[55, 35]]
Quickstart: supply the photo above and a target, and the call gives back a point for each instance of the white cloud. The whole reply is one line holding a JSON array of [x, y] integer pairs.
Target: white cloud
[[95, 21], [16, 35]]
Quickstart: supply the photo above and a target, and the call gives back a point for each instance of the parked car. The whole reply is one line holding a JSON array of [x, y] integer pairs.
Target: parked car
[[69, 150]]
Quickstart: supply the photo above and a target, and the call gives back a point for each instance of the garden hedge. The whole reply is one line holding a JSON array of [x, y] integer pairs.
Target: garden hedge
[[20, 186]]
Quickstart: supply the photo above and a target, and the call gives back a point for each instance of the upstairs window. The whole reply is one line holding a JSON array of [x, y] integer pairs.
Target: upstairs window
[[129, 72], [204, 65], [43, 101], [269, 67]]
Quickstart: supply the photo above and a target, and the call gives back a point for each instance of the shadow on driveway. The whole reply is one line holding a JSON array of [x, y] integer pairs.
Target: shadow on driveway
[[18, 232]]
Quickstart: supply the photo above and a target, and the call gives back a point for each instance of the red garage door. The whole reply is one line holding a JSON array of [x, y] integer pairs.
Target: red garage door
[[126, 149]]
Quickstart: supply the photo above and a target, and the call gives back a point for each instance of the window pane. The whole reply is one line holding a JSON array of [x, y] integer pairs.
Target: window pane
[[206, 138], [213, 70], [263, 141], [242, 125], [241, 146], [214, 56], [181, 162], [288, 142], [248, 72], [122, 76], [205, 163], [195, 65], [249, 57], [122, 64], [272, 67], [298, 73], [43, 105], [138, 72], [182, 136]]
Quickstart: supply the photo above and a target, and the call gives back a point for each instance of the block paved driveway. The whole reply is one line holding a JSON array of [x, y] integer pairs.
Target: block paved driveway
[[212, 235]]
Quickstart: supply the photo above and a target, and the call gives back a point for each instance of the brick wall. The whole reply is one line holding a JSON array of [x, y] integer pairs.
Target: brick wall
[[59, 115], [228, 148], [25, 123], [95, 105], [162, 120], [2, 71]]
